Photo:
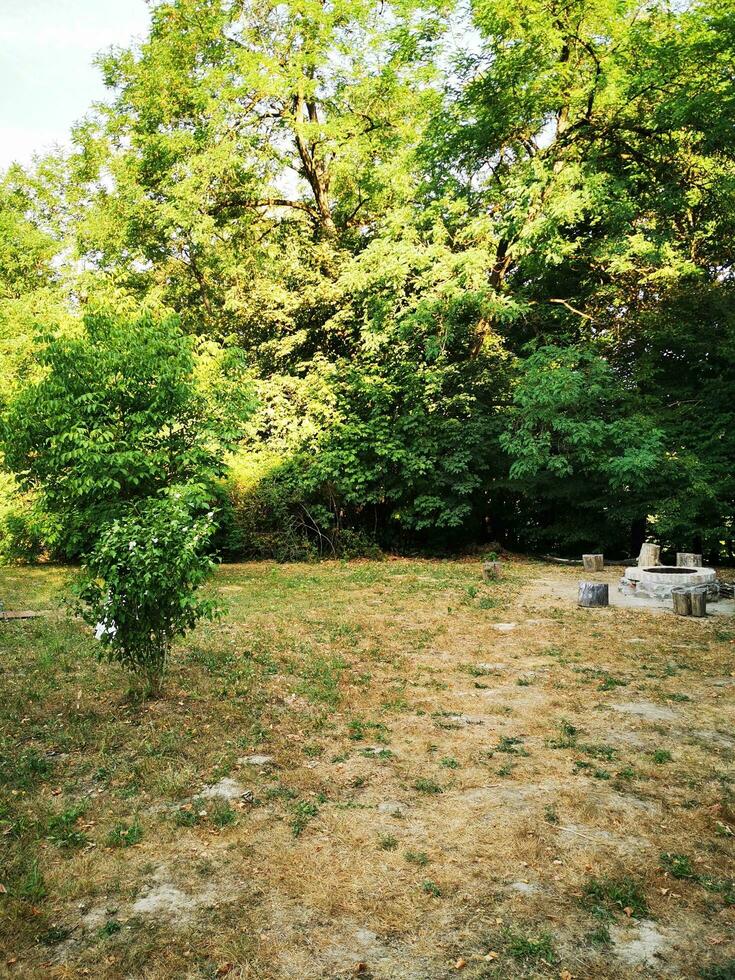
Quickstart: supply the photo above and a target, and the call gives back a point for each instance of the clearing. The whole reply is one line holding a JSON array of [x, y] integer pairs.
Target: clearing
[[382, 769]]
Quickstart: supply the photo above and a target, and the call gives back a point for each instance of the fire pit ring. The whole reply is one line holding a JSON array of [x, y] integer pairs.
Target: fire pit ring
[[657, 582], [667, 570]]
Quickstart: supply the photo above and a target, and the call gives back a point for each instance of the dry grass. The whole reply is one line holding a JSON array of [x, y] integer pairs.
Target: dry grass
[[445, 798]]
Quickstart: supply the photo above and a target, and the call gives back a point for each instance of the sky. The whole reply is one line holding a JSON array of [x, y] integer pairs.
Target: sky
[[47, 76]]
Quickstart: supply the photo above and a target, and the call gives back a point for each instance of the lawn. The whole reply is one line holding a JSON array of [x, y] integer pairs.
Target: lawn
[[383, 769]]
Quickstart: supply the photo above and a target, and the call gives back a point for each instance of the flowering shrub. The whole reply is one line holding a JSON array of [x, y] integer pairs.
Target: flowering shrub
[[139, 585]]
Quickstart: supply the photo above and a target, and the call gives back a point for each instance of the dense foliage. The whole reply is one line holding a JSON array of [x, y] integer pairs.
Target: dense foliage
[[117, 416], [140, 584], [119, 442], [478, 262]]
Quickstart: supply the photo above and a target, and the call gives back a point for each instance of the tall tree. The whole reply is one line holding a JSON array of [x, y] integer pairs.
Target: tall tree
[[247, 140], [590, 141]]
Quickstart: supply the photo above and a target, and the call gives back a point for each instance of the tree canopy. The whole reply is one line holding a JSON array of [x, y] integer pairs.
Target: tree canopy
[[477, 259]]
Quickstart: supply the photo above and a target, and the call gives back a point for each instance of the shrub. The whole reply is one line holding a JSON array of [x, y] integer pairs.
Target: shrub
[[139, 585], [261, 509], [21, 532], [118, 415], [270, 508]]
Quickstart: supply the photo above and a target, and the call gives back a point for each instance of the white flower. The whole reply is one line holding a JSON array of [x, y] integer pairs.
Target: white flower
[[155, 540], [131, 545], [210, 515]]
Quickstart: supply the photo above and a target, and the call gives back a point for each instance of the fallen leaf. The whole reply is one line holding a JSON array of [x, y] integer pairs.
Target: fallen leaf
[[565, 975], [492, 955], [628, 910], [460, 964], [3, 890], [224, 969]]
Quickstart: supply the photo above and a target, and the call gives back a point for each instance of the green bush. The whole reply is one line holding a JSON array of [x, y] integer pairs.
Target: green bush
[[268, 508], [120, 414], [259, 507], [139, 585], [21, 525]]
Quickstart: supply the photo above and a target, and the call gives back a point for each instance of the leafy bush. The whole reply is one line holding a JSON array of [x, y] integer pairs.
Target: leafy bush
[[271, 507], [21, 526], [119, 415], [577, 441], [260, 504], [139, 585]]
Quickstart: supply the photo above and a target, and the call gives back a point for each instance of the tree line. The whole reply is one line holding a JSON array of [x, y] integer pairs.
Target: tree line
[[407, 274]]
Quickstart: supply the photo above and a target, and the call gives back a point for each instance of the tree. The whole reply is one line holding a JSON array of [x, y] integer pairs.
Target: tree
[[116, 439], [590, 142], [411, 216], [588, 461], [117, 416], [246, 142]]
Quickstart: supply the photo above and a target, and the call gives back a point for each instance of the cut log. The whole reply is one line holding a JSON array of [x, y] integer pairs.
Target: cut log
[[491, 570], [593, 594], [682, 600], [649, 556], [699, 602], [687, 559], [593, 563]]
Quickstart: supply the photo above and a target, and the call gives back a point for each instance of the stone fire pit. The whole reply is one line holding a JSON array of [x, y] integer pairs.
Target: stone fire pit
[[658, 581]]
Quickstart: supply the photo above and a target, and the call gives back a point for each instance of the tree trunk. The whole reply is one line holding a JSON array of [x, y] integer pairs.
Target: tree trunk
[[649, 556], [699, 602], [682, 600], [593, 563], [316, 170], [687, 559], [593, 594]]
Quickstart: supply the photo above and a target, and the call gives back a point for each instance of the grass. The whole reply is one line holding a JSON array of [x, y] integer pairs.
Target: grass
[[413, 780], [530, 948], [62, 829], [618, 894], [125, 834], [427, 786]]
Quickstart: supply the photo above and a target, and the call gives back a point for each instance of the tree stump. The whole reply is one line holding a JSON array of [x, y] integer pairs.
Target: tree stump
[[593, 594], [491, 570], [593, 563], [699, 602], [649, 556], [682, 600], [687, 559]]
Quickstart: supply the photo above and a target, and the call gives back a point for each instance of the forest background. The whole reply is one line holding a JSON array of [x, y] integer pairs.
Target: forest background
[[415, 275]]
